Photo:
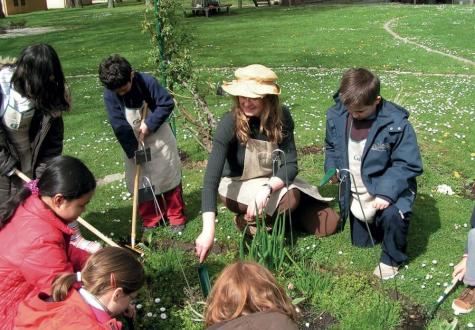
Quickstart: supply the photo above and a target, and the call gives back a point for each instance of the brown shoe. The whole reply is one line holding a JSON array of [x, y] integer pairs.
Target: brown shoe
[[465, 302]]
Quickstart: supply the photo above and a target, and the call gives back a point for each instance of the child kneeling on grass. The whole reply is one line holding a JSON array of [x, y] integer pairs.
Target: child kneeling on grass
[[247, 296], [90, 299], [465, 270], [34, 232], [125, 92]]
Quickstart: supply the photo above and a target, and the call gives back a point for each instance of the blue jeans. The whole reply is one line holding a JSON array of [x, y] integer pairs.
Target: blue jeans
[[389, 229]]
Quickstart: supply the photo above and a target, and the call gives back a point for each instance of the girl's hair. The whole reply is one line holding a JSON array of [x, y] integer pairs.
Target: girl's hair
[[39, 77], [270, 120], [64, 175], [243, 288], [107, 269]]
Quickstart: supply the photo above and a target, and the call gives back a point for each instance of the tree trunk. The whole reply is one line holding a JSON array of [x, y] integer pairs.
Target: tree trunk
[[110, 4]]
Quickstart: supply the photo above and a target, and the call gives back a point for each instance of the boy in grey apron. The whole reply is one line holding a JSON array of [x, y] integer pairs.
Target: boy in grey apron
[[124, 94]]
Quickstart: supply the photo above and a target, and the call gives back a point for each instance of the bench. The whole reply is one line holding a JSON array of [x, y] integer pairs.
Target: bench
[[204, 7]]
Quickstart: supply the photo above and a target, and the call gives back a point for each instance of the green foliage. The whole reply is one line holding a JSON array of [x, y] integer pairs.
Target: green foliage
[[266, 248]]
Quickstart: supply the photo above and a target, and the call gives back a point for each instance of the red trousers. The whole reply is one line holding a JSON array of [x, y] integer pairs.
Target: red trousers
[[173, 209]]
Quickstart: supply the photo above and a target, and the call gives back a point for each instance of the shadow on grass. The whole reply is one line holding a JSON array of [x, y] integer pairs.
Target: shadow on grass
[[425, 221]]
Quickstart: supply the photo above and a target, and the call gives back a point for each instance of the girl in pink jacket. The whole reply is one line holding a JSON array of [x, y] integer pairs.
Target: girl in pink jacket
[[34, 232]]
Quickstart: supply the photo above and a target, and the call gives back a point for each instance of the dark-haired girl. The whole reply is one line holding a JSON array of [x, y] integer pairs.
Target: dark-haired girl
[[105, 288], [33, 96], [34, 232]]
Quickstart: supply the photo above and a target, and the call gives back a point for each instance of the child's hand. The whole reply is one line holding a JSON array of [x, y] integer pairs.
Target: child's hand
[[130, 311], [460, 269], [380, 203], [144, 131]]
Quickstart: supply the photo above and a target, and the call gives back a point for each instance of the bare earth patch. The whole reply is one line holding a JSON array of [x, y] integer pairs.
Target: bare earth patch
[[21, 32]]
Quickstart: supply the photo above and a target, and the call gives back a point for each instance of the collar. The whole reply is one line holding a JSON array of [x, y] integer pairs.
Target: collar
[[34, 205]]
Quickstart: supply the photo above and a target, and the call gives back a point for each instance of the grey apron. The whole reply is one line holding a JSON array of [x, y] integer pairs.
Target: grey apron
[[256, 172], [164, 168]]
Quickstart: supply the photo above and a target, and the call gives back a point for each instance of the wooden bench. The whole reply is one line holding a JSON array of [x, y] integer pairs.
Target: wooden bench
[[198, 8]]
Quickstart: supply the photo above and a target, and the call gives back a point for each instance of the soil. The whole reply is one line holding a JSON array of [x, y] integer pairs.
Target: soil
[[414, 315], [309, 319], [469, 190], [310, 150]]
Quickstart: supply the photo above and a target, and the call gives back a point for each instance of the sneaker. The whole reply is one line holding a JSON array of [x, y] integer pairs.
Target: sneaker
[[177, 229], [385, 272], [465, 302], [88, 246]]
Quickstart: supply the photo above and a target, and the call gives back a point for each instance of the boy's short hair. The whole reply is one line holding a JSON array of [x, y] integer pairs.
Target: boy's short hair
[[115, 72], [359, 87]]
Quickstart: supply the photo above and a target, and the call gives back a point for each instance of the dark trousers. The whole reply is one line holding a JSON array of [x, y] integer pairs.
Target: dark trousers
[[389, 229]]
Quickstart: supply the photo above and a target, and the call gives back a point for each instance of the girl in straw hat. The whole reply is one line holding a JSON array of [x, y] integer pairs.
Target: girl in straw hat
[[242, 169]]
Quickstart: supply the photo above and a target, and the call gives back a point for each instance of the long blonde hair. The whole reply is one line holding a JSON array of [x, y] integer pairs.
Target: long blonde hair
[[108, 268], [270, 120], [243, 288]]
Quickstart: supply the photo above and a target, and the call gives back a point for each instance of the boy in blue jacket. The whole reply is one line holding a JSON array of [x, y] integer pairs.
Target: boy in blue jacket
[[125, 92], [374, 148]]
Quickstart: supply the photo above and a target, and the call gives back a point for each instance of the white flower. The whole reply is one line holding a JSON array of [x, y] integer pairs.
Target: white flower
[[157, 300], [445, 189], [445, 284], [162, 309], [163, 316], [340, 252], [434, 262], [139, 306], [149, 314], [307, 325], [470, 325]]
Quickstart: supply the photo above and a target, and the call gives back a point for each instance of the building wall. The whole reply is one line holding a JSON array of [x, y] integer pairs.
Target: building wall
[[12, 7], [54, 4]]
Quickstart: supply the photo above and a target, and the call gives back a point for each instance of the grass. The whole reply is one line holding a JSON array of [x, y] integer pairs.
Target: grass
[[309, 47]]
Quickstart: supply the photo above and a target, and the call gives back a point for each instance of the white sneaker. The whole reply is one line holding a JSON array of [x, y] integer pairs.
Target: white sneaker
[[385, 272]]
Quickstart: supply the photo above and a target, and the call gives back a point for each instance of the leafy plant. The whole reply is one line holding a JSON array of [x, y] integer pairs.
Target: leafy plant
[[171, 53], [266, 248]]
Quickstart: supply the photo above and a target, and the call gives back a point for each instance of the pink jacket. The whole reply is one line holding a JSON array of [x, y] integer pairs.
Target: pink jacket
[[34, 248]]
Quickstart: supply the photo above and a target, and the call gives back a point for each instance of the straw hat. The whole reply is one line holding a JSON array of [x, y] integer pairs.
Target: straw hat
[[254, 81]]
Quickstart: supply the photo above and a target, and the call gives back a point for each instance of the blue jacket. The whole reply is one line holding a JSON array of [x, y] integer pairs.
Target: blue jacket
[[144, 88], [391, 159]]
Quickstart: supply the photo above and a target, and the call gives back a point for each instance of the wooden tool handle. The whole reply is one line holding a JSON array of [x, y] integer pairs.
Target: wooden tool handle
[[135, 203], [83, 222]]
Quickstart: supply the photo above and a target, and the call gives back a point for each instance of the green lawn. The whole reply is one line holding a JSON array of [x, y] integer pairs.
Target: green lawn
[[309, 47]]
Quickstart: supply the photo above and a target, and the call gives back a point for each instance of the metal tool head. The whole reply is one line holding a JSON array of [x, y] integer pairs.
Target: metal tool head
[[146, 193], [142, 156]]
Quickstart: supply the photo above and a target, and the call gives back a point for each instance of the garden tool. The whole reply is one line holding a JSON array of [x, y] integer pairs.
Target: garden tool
[[205, 283], [142, 154], [83, 222], [328, 175], [442, 297], [135, 198], [147, 193]]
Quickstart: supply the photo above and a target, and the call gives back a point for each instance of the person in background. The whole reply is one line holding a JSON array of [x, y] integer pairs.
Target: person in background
[[125, 92], [33, 97], [372, 145], [34, 232], [247, 296], [90, 299]]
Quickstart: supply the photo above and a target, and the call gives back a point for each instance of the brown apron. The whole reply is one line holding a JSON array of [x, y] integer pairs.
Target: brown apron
[[256, 172]]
